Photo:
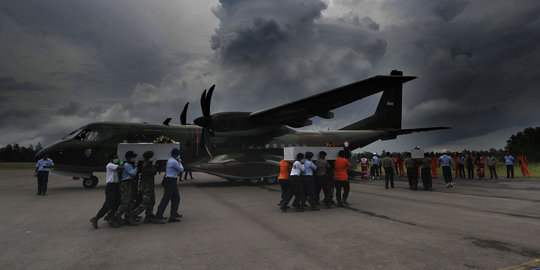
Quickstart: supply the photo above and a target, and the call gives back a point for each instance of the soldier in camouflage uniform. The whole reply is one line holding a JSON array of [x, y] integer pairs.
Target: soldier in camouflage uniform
[[126, 197], [147, 188]]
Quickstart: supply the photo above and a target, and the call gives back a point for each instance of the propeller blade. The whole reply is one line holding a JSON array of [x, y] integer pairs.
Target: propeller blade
[[209, 99], [183, 114], [166, 122], [203, 103]]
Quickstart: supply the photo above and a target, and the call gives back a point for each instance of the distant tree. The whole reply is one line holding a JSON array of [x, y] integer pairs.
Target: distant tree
[[16, 153], [526, 142]]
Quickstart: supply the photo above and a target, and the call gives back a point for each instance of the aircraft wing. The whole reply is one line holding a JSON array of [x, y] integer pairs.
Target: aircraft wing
[[297, 113]]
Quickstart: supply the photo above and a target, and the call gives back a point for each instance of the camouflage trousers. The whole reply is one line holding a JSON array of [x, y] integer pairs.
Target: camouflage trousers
[[148, 199], [126, 199]]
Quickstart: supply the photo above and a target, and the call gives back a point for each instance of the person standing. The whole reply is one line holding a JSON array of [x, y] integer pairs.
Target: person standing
[[186, 172], [341, 179], [375, 166], [43, 167], [126, 192], [492, 163], [400, 166], [426, 172], [364, 164], [389, 166], [284, 172], [447, 164], [326, 182], [148, 171], [470, 166], [296, 185], [112, 191], [412, 172], [461, 166], [170, 192], [509, 160], [522, 160], [307, 182], [433, 166]]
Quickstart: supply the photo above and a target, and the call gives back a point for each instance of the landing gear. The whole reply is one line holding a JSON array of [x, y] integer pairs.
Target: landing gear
[[90, 182], [270, 180]]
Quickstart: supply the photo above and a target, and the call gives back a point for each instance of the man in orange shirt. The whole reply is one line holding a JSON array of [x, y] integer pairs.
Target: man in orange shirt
[[284, 172], [341, 179]]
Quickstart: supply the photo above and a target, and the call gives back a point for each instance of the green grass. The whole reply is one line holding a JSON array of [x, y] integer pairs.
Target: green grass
[[534, 170], [17, 166]]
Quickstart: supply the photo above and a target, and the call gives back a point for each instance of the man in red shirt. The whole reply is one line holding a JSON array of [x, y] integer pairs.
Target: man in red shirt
[[341, 179]]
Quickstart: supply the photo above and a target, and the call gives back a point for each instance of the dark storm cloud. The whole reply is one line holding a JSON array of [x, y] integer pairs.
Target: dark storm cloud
[[283, 50], [10, 84], [101, 60]]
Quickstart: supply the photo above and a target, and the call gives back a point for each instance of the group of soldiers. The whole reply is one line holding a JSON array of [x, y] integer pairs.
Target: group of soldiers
[[304, 180], [130, 191]]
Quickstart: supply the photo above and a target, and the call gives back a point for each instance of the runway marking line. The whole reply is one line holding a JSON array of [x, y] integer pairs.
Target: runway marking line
[[524, 266]]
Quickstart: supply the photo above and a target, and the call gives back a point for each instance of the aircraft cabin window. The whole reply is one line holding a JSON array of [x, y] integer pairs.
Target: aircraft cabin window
[[87, 135]]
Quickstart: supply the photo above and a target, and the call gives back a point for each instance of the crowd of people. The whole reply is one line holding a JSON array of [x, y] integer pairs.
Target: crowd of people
[[465, 165], [304, 180], [130, 191]]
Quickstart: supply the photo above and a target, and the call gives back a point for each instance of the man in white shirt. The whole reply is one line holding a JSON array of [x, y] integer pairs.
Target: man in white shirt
[[112, 191]]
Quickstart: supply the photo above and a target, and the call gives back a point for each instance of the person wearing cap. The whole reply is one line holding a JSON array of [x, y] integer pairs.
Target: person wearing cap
[[171, 193], [126, 191], [341, 179], [324, 181], [447, 164], [146, 186], [43, 167], [296, 185], [307, 182], [389, 166], [112, 192]]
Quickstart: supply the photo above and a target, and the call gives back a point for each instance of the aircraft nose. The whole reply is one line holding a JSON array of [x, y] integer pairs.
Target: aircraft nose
[[53, 150]]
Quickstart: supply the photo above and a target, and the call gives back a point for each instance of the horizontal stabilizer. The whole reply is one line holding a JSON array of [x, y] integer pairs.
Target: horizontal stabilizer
[[392, 134]]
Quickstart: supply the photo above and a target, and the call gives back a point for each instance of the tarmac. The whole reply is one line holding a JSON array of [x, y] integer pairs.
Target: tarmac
[[477, 224]]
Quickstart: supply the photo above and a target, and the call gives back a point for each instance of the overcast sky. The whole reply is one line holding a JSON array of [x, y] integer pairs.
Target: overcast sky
[[67, 63]]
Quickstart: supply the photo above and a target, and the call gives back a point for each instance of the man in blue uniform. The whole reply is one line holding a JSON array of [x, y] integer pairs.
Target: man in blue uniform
[[171, 193], [509, 160], [42, 173], [307, 182], [447, 164]]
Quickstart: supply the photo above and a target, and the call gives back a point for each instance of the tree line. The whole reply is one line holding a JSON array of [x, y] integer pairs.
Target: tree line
[[16, 153]]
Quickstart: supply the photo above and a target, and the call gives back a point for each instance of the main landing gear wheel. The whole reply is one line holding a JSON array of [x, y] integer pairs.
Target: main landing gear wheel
[[90, 182], [270, 180]]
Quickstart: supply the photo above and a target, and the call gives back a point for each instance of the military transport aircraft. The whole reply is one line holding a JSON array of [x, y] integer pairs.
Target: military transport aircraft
[[241, 145]]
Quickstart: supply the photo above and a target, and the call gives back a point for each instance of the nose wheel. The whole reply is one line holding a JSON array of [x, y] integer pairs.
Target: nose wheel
[[90, 182]]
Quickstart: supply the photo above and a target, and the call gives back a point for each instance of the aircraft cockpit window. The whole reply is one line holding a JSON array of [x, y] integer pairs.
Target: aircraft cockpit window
[[87, 135]]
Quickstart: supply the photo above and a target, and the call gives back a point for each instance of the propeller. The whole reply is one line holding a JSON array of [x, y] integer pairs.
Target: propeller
[[206, 121], [183, 115]]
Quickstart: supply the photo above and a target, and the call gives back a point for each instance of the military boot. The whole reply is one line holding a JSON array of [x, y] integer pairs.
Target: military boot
[[93, 222], [115, 222]]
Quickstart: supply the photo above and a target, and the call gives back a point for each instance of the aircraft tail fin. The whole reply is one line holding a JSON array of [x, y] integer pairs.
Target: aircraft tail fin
[[388, 113]]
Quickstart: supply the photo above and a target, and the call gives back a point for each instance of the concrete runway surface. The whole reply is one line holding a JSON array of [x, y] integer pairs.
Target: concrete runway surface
[[478, 224]]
